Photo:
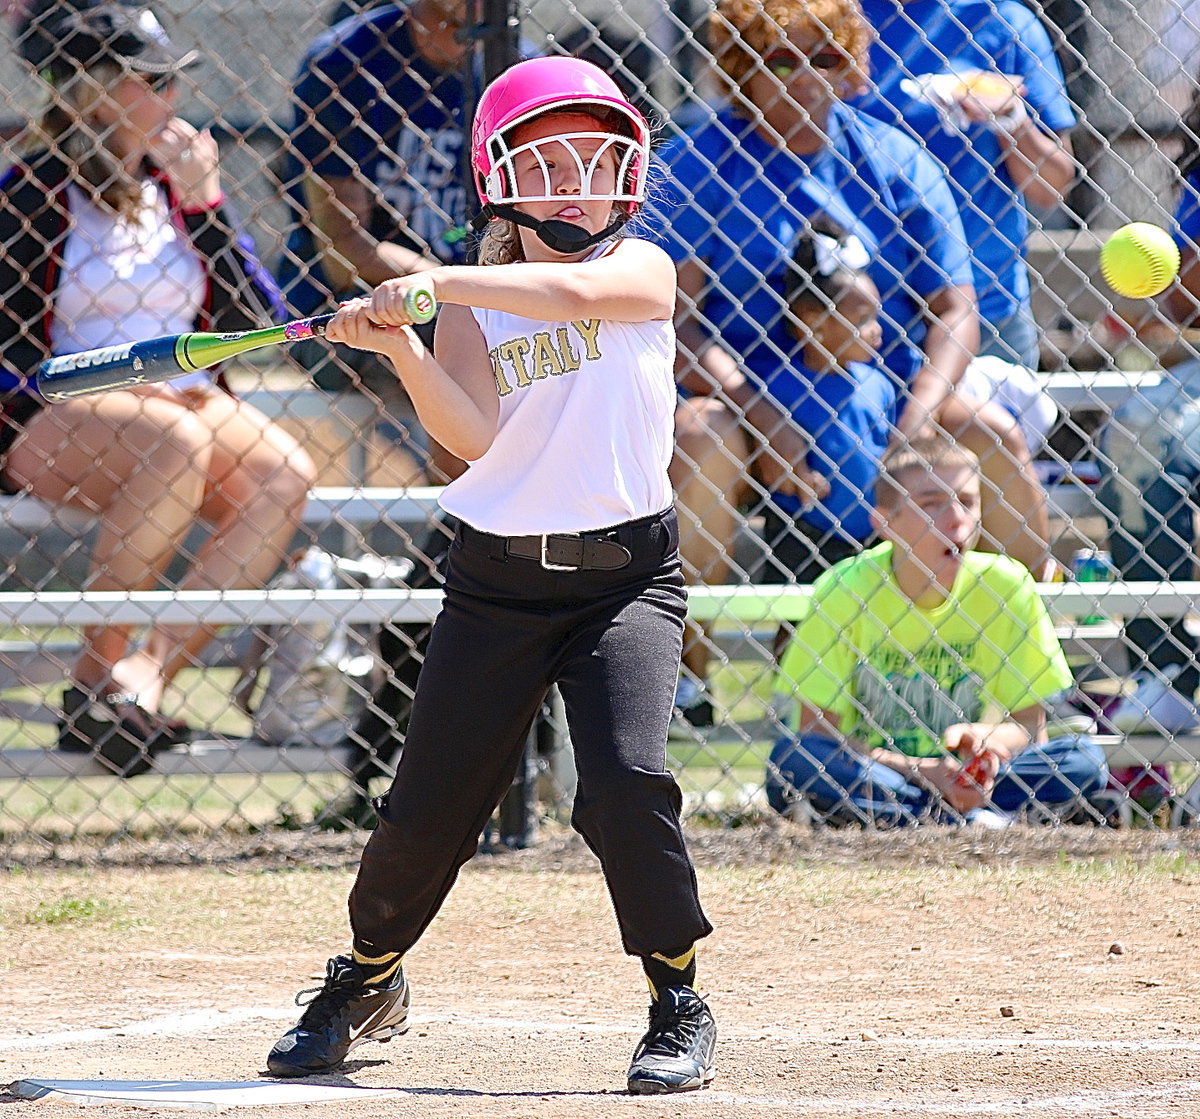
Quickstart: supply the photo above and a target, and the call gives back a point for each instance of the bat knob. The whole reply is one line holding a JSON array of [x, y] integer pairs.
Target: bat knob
[[420, 305]]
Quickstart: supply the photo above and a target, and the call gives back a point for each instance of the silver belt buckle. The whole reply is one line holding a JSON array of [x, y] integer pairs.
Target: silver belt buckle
[[547, 565]]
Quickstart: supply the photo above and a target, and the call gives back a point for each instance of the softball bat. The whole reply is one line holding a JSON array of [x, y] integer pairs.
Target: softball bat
[[160, 359]]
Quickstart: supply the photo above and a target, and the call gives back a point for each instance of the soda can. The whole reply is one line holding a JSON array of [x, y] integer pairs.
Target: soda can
[[1092, 565]]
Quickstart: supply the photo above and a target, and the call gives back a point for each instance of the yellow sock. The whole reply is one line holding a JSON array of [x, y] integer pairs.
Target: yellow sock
[[378, 971], [670, 971]]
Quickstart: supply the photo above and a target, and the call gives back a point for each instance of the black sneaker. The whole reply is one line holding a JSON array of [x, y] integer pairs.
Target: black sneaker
[[343, 1013], [122, 735], [676, 1055]]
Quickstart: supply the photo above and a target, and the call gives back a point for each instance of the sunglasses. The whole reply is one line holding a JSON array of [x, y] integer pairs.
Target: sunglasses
[[784, 64]]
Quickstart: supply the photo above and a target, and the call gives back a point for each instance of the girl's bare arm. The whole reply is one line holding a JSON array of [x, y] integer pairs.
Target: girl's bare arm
[[635, 282]]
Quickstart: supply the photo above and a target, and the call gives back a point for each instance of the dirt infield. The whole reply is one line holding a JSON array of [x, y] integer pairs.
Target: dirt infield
[[922, 973]]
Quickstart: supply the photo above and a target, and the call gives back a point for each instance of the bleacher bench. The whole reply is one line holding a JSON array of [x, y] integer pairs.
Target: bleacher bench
[[1071, 489], [742, 607], [1073, 390], [1071, 495], [28, 662], [336, 505], [1102, 390]]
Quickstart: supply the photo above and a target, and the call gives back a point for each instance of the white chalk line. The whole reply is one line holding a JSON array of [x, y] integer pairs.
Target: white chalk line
[[1089, 1103], [1083, 1102], [201, 1021], [168, 1025]]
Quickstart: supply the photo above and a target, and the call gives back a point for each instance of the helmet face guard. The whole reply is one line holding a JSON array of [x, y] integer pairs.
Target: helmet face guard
[[560, 85], [630, 156]]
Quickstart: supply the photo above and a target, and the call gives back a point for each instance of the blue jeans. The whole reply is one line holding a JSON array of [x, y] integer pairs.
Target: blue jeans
[[843, 784], [1153, 440]]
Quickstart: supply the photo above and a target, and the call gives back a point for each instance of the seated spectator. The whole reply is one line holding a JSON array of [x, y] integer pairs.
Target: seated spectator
[[375, 177], [378, 194], [741, 188], [922, 669], [978, 84], [835, 307], [1151, 450], [1019, 391], [115, 229]]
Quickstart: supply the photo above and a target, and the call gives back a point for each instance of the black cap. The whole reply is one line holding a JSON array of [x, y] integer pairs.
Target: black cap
[[61, 37]]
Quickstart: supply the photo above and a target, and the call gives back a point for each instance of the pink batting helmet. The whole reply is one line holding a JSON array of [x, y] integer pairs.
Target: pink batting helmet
[[540, 85]]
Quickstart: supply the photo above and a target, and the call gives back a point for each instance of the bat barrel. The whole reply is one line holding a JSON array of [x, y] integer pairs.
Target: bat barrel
[[112, 367], [160, 359]]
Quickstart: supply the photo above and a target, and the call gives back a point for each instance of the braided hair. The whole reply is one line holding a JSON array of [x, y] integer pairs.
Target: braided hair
[[827, 262]]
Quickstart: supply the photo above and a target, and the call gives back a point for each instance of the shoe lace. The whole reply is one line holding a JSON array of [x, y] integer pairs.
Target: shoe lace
[[324, 1002], [672, 1031]]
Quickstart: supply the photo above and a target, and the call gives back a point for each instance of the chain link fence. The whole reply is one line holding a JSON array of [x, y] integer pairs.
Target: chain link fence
[[294, 700]]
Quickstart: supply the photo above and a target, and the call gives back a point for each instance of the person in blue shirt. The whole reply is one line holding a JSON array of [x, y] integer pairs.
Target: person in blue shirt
[[978, 84], [739, 190], [377, 186], [834, 309], [1151, 499], [375, 178]]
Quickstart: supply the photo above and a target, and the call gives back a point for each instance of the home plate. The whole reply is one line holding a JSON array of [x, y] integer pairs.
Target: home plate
[[199, 1095]]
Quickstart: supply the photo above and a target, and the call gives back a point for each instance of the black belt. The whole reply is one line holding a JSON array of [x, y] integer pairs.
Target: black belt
[[556, 551]]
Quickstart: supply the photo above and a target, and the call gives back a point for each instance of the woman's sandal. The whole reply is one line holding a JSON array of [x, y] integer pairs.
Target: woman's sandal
[[124, 735]]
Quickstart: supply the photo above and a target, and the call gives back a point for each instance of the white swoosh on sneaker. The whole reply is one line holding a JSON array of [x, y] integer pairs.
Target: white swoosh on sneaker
[[373, 1021]]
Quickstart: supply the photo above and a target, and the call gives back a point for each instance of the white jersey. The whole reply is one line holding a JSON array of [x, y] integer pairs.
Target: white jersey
[[126, 279], [586, 426]]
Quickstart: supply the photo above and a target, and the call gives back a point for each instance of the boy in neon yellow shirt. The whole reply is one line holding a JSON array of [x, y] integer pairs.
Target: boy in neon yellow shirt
[[921, 669]]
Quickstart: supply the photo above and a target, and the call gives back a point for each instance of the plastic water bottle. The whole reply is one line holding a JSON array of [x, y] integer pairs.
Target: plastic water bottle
[[1092, 565]]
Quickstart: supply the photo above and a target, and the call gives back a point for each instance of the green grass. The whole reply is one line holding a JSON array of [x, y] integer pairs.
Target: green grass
[[1179, 865], [72, 911], [717, 772], [148, 805], [722, 766], [151, 805]]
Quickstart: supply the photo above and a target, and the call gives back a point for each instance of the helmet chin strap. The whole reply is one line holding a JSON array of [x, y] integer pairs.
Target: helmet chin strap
[[561, 236]]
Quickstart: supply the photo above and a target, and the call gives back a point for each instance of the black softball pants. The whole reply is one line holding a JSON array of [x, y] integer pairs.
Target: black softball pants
[[509, 628]]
